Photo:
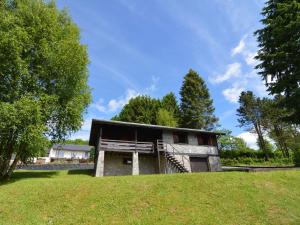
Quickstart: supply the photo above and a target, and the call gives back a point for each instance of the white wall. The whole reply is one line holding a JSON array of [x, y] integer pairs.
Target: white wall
[[68, 154]]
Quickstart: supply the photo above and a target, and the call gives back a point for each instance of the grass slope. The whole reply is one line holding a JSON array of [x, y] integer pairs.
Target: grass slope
[[205, 198]]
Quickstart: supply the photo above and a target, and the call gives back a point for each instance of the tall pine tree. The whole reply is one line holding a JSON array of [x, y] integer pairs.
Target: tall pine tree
[[279, 52], [196, 106]]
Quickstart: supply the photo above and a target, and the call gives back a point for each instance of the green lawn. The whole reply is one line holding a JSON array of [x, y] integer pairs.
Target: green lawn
[[64, 197]]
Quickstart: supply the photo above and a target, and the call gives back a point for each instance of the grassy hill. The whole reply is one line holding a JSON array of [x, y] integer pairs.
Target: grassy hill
[[64, 197]]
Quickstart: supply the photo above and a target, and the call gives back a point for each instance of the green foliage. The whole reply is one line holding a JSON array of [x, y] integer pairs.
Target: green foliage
[[297, 157], [142, 109], [196, 105], [165, 118], [77, 142], [228, 142], [21, 132], [251, 116], [279, 53], [43, 65], [250, 161], [170, 103], [272, 119]]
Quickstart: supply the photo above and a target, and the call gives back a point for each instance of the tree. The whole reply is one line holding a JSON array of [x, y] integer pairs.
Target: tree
[[279, 53], [170, 103], [228, 142], [196, 106], [250, 116], [142, 109], [43, 79], [77, 141], [272, 120], [166, 118]]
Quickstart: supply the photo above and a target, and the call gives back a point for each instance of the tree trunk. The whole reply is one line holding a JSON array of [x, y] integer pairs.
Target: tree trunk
[[281, 143], [12, 167], [261, 141], [6, 174]]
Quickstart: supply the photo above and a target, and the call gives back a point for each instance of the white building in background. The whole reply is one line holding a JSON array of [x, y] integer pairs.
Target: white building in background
[[68, 151]]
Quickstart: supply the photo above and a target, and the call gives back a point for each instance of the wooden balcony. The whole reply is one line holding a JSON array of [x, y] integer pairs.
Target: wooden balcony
[[126, 146]]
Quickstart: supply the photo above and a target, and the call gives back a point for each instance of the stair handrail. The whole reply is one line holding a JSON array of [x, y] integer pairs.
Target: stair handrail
[[161, 142], [182, 156]]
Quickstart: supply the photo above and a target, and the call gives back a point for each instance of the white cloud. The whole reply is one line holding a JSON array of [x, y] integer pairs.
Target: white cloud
[[114, 105], [250, 139], [249, 58], [247, 49], [241, 74], [232, 94], [233, 70], [239, 48]]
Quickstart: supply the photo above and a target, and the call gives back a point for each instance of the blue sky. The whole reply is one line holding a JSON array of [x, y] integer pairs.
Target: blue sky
[[146, 47]]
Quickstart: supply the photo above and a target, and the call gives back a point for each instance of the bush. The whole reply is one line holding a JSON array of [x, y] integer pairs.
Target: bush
[[296, 157], [257, 162]]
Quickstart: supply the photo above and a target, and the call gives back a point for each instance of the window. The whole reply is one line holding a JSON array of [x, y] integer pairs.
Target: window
[[61, 154], [180, 138], [203, 139]]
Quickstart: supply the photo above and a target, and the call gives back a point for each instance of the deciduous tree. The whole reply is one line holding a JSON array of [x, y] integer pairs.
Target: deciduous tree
[[43, 79], [142, 109]]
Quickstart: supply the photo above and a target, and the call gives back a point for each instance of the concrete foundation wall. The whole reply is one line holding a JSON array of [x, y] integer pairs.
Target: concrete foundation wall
[[114, 166], [214, 163], [148, 164]]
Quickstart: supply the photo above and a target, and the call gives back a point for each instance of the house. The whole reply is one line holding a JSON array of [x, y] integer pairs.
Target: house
[[68, 151], [124, 148]]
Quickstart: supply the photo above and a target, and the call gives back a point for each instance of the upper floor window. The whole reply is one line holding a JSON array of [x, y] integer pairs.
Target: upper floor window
[[205, 139], [180, 138]]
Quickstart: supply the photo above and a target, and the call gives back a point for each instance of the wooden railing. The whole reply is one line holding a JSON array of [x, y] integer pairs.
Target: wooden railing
[[120, 145]]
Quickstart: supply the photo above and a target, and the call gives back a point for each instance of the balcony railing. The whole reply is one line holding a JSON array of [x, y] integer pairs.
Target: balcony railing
[[129, 146]]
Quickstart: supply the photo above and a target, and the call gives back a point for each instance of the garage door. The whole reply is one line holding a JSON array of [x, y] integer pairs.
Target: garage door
[[199, 164]]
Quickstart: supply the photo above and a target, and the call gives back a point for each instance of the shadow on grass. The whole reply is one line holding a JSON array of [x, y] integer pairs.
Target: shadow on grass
[[81, 172], [20, 175]]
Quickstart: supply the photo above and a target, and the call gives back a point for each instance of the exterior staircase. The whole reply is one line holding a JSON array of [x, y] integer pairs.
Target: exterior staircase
[[172, 158]]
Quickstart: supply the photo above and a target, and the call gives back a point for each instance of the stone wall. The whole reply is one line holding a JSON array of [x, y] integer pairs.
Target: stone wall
[[114, 165], [67, 166], [148, 164]]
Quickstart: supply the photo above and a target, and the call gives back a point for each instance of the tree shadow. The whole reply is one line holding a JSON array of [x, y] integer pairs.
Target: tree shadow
[[21, 175], [89, 172]]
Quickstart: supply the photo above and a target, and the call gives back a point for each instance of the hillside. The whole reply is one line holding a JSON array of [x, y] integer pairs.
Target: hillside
[[74, 197]]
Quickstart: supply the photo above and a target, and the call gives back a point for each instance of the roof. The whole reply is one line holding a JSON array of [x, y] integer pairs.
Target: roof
[[70, 147], [96, 122]]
